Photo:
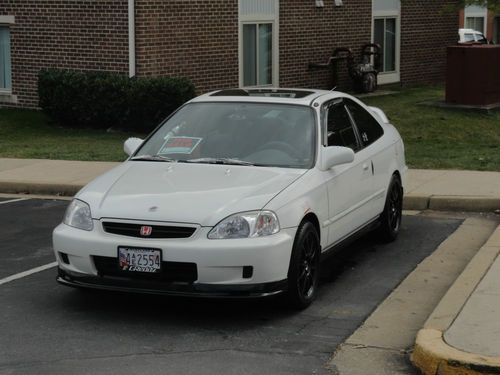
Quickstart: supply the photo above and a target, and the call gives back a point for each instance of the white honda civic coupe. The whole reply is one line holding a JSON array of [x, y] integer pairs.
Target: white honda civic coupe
[[239, 193]]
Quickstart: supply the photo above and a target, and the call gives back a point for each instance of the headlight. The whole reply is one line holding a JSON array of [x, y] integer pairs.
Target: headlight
[[246, 224], [78, 215]]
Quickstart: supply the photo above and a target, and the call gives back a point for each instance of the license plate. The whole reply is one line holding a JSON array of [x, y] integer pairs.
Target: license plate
[[135, 259]]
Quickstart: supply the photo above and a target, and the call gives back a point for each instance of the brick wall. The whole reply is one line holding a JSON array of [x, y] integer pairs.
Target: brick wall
[[75, 34], [197, 39], [310, 34], [427, 28]]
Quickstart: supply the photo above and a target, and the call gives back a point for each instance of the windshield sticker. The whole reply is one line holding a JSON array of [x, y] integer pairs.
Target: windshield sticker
[[179, 145]]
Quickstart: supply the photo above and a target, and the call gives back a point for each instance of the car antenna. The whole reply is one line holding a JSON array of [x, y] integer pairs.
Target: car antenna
[[334, 88]]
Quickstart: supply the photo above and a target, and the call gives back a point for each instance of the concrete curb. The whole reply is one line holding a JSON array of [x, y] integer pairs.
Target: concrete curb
[[39, 188], [451, 203], [432, 354]]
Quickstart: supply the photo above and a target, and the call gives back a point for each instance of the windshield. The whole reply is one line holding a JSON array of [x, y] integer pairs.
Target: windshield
[[235, 133]]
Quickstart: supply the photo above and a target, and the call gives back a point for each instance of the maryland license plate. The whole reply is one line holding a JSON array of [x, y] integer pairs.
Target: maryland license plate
[[136, 259]]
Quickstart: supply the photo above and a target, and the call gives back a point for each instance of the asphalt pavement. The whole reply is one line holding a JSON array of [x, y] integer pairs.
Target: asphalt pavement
[[51, 329]]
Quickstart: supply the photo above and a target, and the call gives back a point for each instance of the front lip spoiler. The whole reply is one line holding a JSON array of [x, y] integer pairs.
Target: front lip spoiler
[[173, 288]]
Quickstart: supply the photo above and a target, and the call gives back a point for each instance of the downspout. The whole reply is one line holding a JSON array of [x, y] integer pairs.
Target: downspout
[[131, 38]]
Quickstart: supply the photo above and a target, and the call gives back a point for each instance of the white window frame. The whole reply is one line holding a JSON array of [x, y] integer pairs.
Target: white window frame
[[477, 12], [395, 76], [6, 94], [260, 19]]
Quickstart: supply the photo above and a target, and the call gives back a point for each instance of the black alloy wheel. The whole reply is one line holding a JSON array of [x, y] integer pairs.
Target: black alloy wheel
[[390, 220], [303, 274]]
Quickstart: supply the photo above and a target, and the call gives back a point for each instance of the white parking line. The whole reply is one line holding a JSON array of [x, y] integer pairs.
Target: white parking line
[[27, 273], [14, 200]]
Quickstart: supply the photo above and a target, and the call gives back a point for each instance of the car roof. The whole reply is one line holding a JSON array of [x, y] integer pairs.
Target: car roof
[[471, 31], [267, 95]]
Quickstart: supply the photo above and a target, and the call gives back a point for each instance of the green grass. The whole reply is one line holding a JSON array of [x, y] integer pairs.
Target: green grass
[[434, 138], [30, 134], [438, 138]]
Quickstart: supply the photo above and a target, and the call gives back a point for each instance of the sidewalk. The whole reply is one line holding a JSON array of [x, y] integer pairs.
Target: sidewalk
[[462, 336]]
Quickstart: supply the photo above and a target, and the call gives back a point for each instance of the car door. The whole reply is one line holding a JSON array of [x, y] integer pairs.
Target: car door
[[378, 153], [349, 185]]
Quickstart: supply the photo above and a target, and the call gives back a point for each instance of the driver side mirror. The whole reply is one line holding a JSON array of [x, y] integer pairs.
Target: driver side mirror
[[131, 145], [335, 155]]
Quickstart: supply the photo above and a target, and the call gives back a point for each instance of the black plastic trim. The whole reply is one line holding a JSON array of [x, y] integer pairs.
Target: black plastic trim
[[174, 288]]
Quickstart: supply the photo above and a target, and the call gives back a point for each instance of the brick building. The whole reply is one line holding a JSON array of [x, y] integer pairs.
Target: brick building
[[219, 43]]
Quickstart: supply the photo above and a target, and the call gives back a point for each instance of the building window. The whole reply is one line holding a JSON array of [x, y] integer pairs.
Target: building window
[[257, 54], [5, 64], [475, 23], [258, 42], [385, 34]]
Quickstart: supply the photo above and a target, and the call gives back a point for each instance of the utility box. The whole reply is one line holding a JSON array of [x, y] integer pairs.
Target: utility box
[[473, 75]]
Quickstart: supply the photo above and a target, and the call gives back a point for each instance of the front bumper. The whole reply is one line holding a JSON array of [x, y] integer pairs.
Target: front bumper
[[219, 265], [173, 288]]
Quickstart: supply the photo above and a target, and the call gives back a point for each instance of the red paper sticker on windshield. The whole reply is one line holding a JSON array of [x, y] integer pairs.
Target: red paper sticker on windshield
[[179, 145]]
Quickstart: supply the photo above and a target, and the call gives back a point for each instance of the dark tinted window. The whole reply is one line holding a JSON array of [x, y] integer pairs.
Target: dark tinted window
[[340, 130], [369, 129]]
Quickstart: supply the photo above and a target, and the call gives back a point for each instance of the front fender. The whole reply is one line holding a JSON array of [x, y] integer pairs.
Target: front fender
[[306, 195]]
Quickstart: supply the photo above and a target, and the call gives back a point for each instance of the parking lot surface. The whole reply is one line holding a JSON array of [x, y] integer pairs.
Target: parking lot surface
[[51, 329]]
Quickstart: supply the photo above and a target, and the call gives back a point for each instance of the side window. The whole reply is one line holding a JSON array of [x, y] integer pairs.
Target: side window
[[369, 129], [339, 128]]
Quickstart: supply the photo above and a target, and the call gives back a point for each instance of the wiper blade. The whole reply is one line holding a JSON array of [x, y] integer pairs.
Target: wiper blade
[[152, 158], [226, 161]]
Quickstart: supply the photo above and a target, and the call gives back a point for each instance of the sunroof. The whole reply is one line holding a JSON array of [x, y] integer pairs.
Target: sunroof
[[279, 93], [231, 92], [274, 93]]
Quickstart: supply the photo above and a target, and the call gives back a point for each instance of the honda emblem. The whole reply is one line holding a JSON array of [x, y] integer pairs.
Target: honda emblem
[[146, 230]]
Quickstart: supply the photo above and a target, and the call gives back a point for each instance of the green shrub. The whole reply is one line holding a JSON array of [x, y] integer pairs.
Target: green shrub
[[104, 100]]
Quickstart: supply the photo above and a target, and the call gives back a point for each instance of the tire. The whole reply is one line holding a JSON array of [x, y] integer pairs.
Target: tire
[[390, 220], [303, 272]]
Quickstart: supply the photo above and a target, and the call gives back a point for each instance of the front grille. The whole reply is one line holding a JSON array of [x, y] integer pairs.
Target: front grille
[[170, 271], [158, 231]]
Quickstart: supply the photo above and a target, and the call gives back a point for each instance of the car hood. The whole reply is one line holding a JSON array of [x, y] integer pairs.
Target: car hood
[[201, 194]]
